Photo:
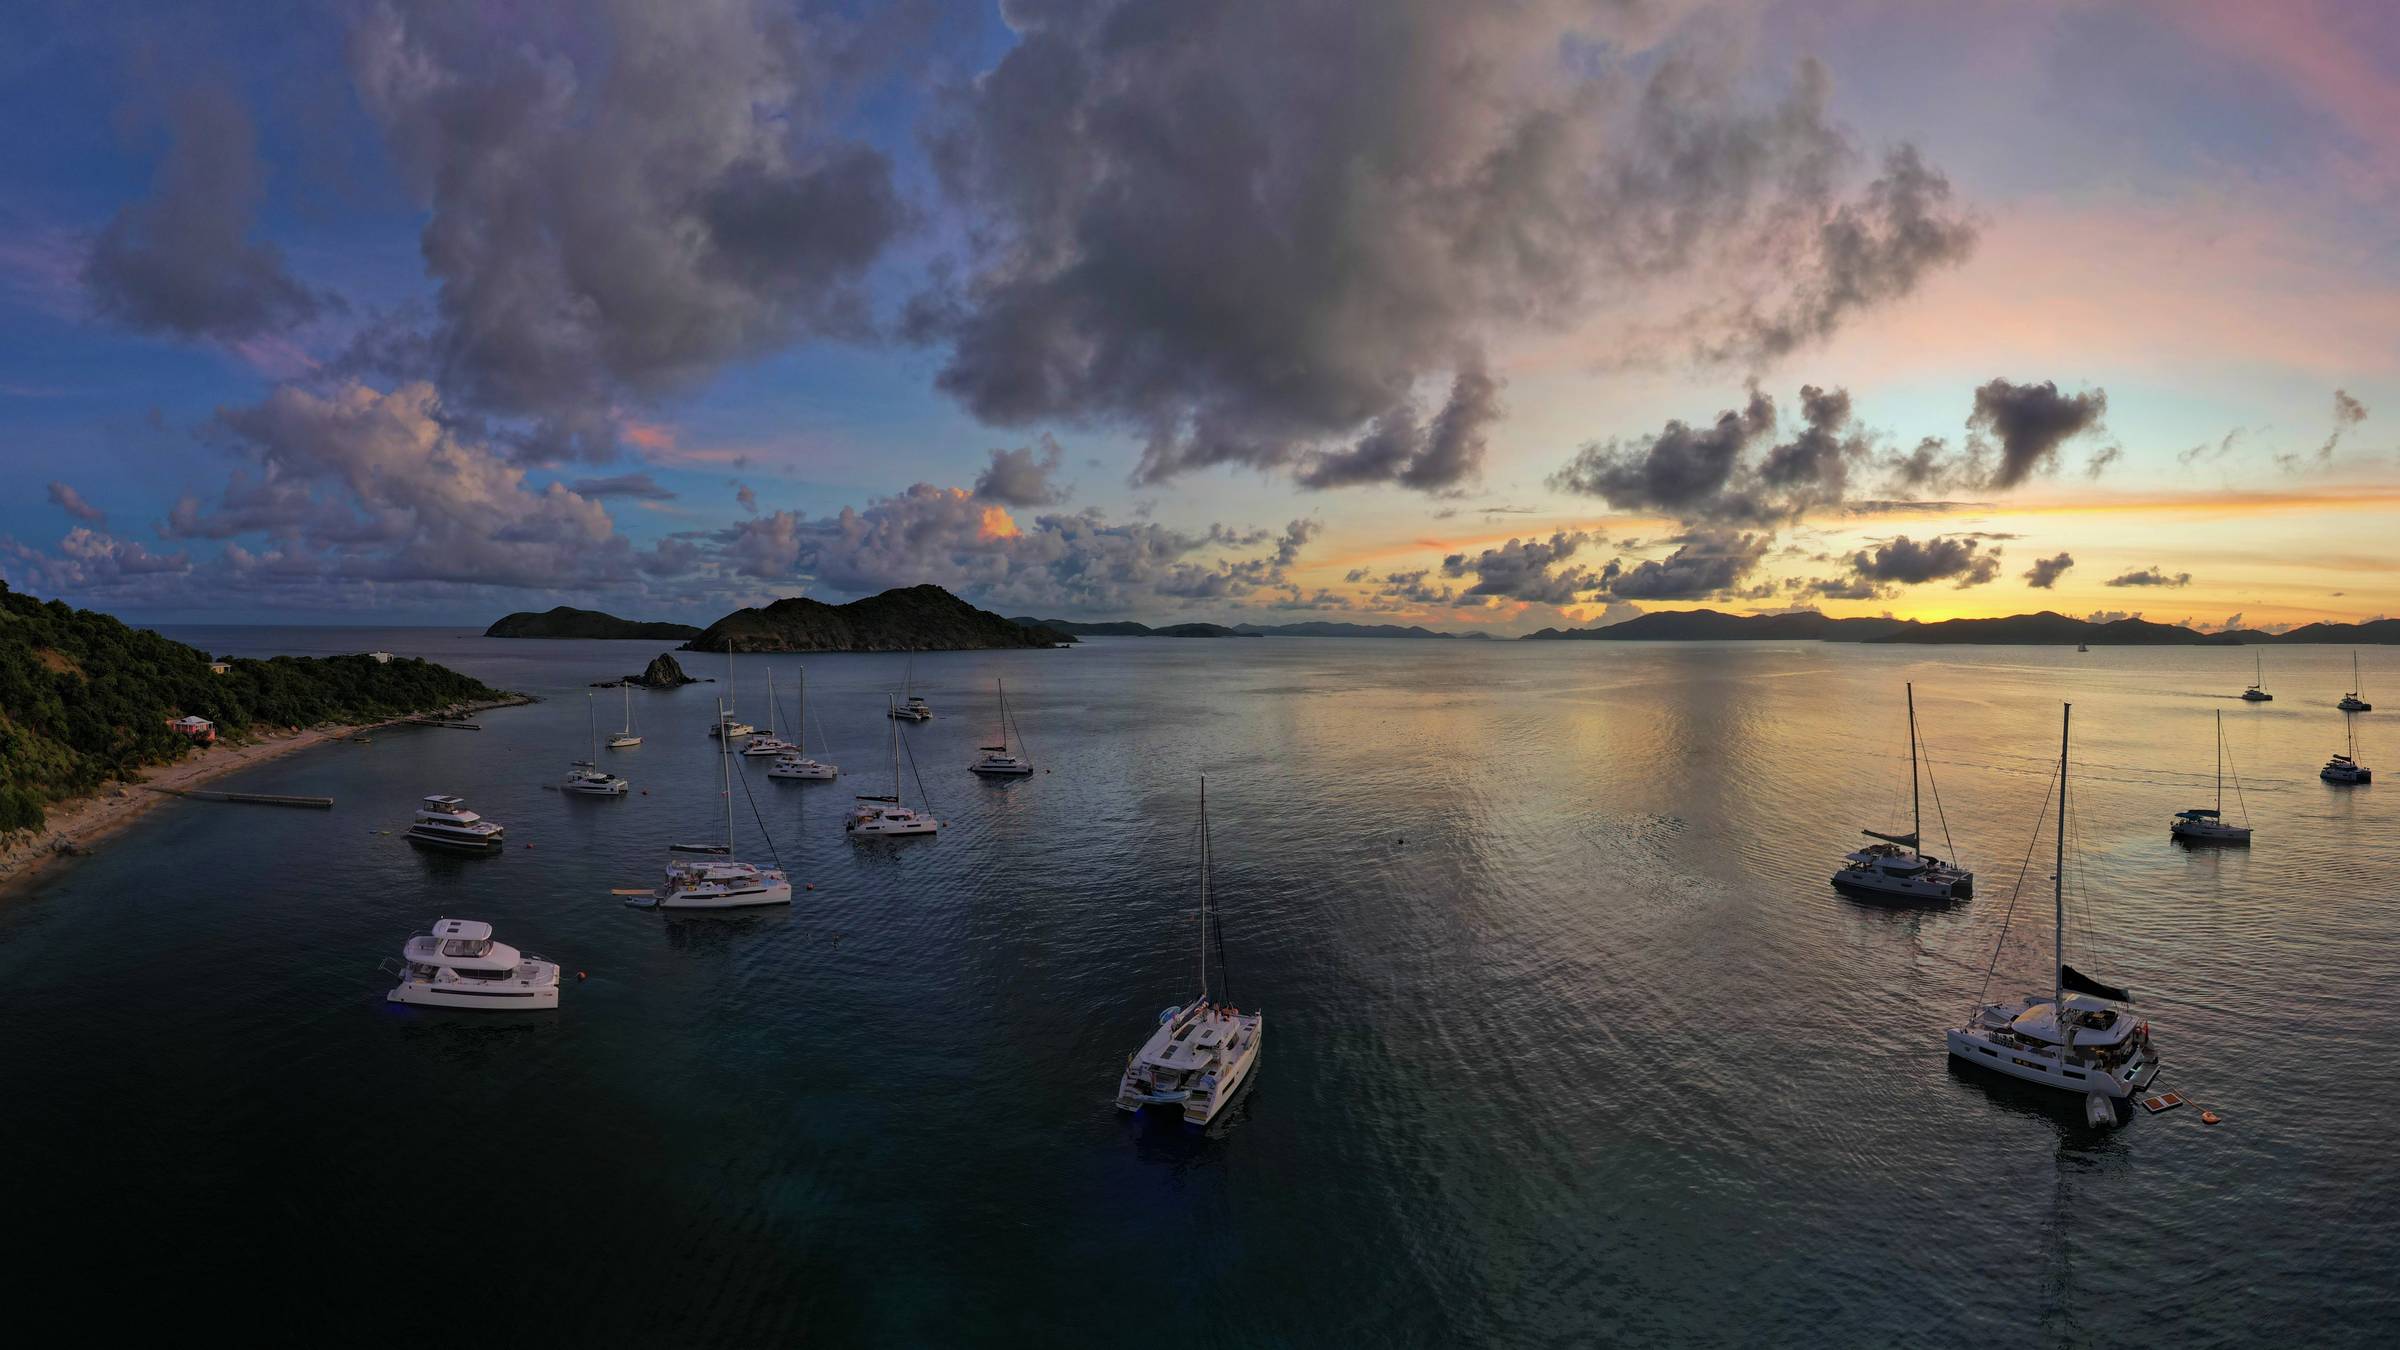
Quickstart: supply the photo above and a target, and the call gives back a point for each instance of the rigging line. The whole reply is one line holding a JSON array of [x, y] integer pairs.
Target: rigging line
[[2014, 891], [922, 794], [1938, 813], [762, 824]]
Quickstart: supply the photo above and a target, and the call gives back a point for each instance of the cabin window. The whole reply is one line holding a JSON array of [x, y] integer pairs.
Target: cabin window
[[1989, 1051], [462, 947]]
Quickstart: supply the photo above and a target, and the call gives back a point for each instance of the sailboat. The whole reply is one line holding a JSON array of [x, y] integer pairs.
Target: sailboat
[[2351, 702], [719, 880], [2344, 770], [2209, 827], [587, 778], [626, 739], [885, 814], [996, 760], [911, 708], [2084, 1037], [797, 764], [1894, 869], [2257, 692], [1202, 1052], [769, 744], [727, 723]]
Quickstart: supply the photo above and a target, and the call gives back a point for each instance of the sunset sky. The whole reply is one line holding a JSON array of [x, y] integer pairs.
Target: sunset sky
[[1500, 316]]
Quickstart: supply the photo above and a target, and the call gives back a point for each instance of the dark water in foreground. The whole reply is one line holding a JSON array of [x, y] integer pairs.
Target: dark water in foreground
[[1593, 1056]]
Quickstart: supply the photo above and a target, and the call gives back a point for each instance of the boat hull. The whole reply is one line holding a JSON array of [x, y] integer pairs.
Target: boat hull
[[1197, 1110], [479, 995], [1002, 770], [448, 844], [2350, 778], [2045, 1067], [815, 773], [778, 893], [891, 829], [623, 742], [2209, 834], [1867, 884]]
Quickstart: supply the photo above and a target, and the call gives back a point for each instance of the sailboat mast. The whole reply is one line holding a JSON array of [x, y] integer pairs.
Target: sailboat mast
[[2221, 764], [725, 763], [592, 714], [1916, 809], [895, 721], [800, 728], [1204, 888], [2058, 887]]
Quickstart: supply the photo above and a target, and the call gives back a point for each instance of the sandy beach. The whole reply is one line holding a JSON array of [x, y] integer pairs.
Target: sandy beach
[[80, 825]]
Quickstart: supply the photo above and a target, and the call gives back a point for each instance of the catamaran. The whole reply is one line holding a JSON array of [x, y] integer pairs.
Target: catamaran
[[727, 723], [996, 761], [2210, 826], [2352, 702], [1203, 1051], [2084, 1037], [720, 881], [628, 738], [769, 744], [1894, 869], [457, 965], [2257, 692], [2344, 770], [797, 764], [587, 778], [884, 814], [911, 708]]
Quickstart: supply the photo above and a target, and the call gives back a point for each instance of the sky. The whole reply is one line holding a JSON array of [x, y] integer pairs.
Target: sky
[[1500, 317]]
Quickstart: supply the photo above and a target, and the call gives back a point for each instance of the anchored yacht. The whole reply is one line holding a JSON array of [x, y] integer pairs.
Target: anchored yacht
[[769, 744], [2257, 692], [2084, 1037], [1893, 870], [1203, 1051], [720, 881], [727, 724], [2201, 826], [797, 763], [587, 778], [996, 760], [911, 708], [2352, 701], [885, 814], [628, 738], [445, 822], [457, 965]]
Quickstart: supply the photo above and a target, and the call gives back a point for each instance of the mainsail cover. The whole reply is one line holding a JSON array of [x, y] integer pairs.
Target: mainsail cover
[[2071, 978], [1908, 840]]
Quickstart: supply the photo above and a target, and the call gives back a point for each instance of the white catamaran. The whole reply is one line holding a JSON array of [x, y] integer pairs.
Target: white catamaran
[[997, 761], [2210, 826], [2355, 700], [1894, 869], [797, 764], [719, 881], [2084, 1036], [2257, 692], [1202, 1052], [911, 708], [587, 778], [769, 744], [884, 814], [2344, 770]]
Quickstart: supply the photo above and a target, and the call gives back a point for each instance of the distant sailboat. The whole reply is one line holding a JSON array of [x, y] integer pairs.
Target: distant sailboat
[[769, 744], [2209, 827], [1202, 1052], [587, 778], [2344, 770], [626, 739], [719, 881], [885, 814], [911, 708], [996, 760], [1895, 869], [797, 764], [2353, 701], [728, 723], [2257, 692]]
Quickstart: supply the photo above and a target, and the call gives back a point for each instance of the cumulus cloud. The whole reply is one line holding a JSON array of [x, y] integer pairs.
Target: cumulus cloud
[[620, 196], [2045, 572], [183, 260], [1526, 569], [2149, 576], [1259, 238], [1707, 473], [1906, 562], [67, 499], [2031, 422], [1704, 563], [1020, 477]]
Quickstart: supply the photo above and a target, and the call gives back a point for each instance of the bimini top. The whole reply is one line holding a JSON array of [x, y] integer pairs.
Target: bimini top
[[444, 802], [465, 930], [2197, 814]]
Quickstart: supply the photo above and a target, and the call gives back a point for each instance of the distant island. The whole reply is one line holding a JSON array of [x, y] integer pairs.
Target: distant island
[[1312, 628], [908, 619], [564, 622], [2046, 629], [88, 701]]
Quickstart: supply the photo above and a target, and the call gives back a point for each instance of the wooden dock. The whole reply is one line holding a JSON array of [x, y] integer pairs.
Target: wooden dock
[[249, 798]]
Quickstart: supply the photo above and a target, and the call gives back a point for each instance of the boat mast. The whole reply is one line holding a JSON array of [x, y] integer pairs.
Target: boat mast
[[2221, 765], [1916, 809], [725, 760], [2058, 892], [592, 714], [1204, 888], [770, 703], [628, 709], [1002, 686], [895, 720], [800, 727]]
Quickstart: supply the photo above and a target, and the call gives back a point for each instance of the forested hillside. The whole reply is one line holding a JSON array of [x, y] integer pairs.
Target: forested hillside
[[84, 699]]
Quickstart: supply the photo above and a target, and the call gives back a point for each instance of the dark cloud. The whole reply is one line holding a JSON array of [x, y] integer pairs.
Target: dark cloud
[[1398, 449], [2149, 576], [746, 497], [2031, 422], [620, 197], [1905, 562], [1682, 471], [1256, 231], [2348, 412], [1526, 569], [622, 485], [67, 499], [182, 260], [1704, 563], [1020, 477], [2045, 572]]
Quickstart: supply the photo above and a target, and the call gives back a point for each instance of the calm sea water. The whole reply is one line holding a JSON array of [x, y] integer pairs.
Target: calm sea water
[[1570, 1042]]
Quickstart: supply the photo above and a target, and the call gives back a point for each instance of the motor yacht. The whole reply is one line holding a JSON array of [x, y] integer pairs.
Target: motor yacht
[[2209, 826], [885, 813], [445, 822], [586, 778], [997, 761], [1894, 870], [458, 965], [1202, 1052], [2083, 1036]]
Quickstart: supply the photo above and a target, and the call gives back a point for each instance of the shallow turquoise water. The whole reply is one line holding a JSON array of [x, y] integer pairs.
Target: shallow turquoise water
[[1569, 1040]]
